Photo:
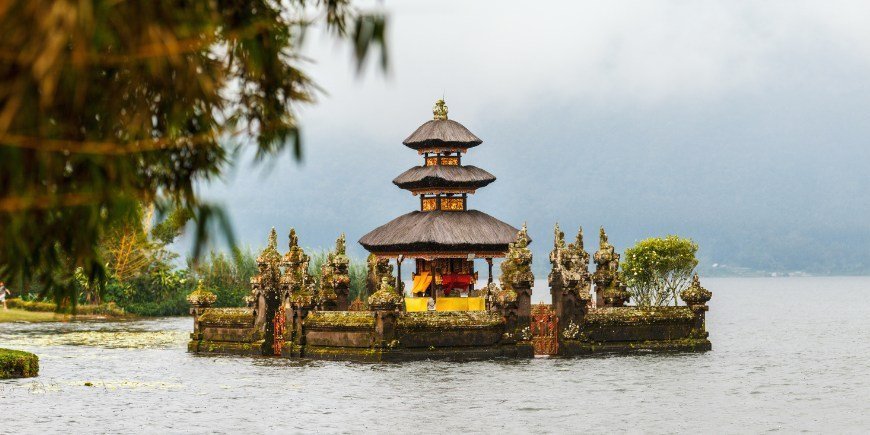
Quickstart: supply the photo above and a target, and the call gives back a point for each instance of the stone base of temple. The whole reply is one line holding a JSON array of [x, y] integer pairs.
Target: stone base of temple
[[580, 348], [519, 350], [231, 331], [225, 347]]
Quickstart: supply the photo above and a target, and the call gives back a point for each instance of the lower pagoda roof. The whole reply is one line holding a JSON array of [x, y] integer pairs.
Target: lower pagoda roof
[[441, 234], [463, 177]]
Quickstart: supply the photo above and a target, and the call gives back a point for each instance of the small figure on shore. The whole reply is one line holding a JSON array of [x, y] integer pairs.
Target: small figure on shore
[[3, 292]]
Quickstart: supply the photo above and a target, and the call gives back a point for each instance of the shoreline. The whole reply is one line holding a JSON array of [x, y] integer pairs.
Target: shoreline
[[18, 315]]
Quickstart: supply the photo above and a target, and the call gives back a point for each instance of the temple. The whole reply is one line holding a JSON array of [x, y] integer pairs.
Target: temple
[[444, 237], [296, 310]]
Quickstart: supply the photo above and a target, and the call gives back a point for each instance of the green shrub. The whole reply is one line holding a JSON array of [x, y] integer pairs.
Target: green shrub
[[18, 364], [658, 268]]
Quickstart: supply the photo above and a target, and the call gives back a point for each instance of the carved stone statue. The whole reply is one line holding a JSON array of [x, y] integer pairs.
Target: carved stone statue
[[570, 266], [696, 297], [326, 296], [295, 263], [266, 291], [386, 298], [517, 276], [570, 283], [378, 268], [340, 273], [608, 286]]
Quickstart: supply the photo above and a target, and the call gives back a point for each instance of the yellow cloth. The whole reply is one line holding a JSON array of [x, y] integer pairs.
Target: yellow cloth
[[421, 282], [476, 304], [416, 304], [459, 304]]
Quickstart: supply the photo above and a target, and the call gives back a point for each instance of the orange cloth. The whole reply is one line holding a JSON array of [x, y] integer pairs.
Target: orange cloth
[[421, 282]]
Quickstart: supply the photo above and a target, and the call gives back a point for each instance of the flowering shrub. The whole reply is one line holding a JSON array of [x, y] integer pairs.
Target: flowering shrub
[[658, 268]]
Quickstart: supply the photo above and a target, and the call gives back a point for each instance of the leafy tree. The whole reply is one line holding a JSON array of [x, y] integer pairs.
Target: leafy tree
[[657, 269], [106, 105]]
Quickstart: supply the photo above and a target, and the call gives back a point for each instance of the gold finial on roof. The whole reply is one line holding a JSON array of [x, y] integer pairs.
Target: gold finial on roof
[[440, 110]]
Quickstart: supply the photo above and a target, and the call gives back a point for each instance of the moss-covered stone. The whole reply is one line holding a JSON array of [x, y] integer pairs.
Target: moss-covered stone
[[227, 317], [636, 316], [201, 296], [18, 364], [695, 294], [225, 347], [340, 319], [576, 347], [443, 320]]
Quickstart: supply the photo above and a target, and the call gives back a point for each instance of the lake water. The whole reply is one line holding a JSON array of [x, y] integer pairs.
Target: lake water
[[789, 354]]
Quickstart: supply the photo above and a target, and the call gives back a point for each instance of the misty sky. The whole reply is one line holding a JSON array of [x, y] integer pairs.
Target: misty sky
[[743, 125]]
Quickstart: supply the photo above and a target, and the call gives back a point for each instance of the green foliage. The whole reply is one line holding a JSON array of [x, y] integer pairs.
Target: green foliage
[[657, 269], [106, 105], [228, 276], [18, 364], [161, 291], [358, 273]]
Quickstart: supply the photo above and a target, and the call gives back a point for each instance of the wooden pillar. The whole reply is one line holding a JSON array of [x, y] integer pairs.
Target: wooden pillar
[[489, 266], [399, 261]]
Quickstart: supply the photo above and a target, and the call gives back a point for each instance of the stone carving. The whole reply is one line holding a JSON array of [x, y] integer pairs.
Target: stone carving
[[296, 283], [439, 110], [357, 305], [608, 285], [696, 295], [267, 290], [386, 298], [516, 269], [515, 297], [570, 266], [340, 273], [326, 296], [268, 267], [378, 268]]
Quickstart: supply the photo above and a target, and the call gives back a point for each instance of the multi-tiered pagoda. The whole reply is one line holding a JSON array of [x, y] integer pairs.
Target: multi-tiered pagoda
[[444, 236]]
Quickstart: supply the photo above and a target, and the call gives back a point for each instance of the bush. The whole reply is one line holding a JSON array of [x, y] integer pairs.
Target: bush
[[657, 269], [18, 364]]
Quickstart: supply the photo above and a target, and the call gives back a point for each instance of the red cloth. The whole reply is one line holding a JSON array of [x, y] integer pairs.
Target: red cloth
[[455, 280]]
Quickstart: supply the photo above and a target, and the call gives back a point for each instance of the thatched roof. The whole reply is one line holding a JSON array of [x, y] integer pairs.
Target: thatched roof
[[441, 231], [442, 133], [462, 177]]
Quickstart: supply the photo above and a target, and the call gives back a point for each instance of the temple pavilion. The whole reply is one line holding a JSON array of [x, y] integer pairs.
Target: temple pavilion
[[444, 236]]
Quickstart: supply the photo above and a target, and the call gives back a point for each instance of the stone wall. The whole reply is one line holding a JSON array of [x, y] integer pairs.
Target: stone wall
[[397, 336], [227, 331], [627, 329]]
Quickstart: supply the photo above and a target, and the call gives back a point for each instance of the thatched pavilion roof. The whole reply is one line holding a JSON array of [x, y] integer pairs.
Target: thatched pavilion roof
[[442, 133], [439, 231], [462, 177]]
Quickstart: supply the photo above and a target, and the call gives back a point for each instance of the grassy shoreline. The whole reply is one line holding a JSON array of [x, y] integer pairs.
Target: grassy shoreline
[[29, 311], [17, 315]]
